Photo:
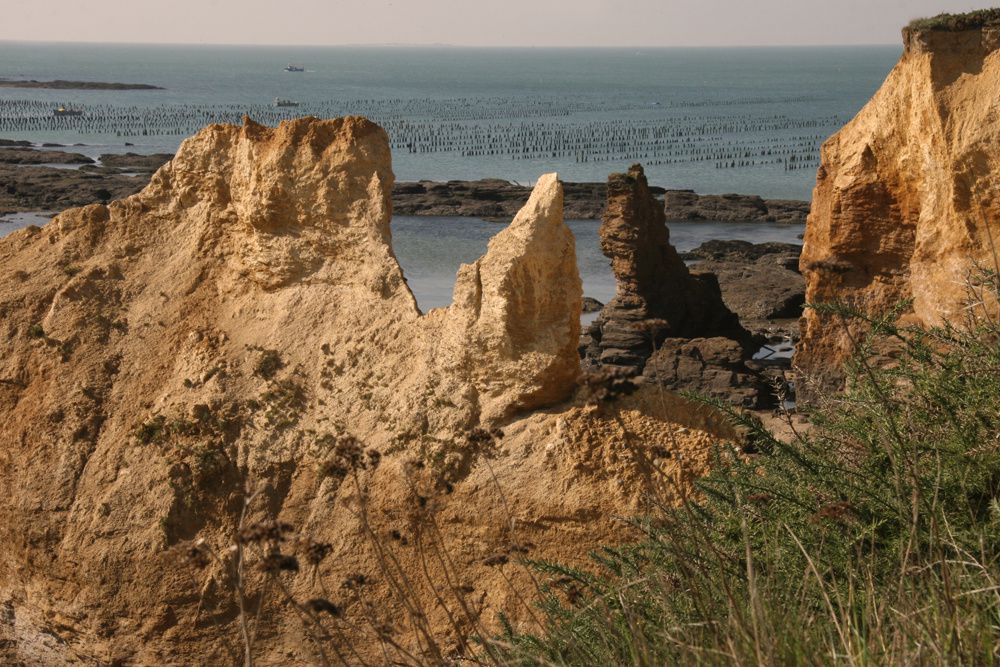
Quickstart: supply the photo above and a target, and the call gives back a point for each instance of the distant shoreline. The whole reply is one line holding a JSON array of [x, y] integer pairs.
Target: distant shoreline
[[34, 184], [60, 84]]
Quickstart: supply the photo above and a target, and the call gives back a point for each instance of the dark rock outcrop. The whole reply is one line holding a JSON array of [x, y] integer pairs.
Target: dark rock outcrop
[[135, 161], [714, 367], [22, 155], [760, 282], [491, 198], [687, 205], [30, 188], [657, 297]]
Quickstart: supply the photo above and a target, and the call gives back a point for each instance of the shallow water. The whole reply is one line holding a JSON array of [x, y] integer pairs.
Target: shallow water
[[430, 250], [13, 221]]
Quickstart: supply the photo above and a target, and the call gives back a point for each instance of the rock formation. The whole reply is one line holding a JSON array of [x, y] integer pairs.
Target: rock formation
[[907, 197], [666, 324], [687, 205], [657, 297], [714, 367], [218, 340], [760, 282]]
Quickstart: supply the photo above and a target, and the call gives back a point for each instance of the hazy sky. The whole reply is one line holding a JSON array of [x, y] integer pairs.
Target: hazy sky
[[469, 22]]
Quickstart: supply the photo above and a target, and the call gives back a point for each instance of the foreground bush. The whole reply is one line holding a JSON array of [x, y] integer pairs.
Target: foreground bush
[[873, 540]]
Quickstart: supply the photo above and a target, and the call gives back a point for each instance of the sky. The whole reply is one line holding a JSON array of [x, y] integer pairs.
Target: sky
[[469, 22]]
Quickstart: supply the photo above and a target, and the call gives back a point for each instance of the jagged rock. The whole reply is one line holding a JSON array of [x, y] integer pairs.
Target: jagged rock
[[591, 305], [907, 198], [212, 340], [512, 330], [734, 250], [657, 297]]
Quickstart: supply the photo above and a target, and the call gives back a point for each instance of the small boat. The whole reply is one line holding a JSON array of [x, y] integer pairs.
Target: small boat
[[282, 102], [63, 111], [294, 68]]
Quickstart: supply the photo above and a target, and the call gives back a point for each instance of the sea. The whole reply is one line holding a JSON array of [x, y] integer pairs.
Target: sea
[[713, 120]]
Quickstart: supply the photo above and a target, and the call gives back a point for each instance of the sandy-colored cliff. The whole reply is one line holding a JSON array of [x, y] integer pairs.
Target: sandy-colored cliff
[[236, 325], [907, 198]]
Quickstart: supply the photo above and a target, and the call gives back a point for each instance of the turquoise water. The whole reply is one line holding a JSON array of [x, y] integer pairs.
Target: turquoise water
[[746, 120]]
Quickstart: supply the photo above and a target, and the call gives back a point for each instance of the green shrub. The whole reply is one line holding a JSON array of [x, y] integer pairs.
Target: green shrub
[[981, 18], [872, 540]]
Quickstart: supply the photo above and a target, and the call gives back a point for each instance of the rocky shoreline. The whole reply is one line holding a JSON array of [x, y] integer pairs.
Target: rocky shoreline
[[44, 188], [60, 84]]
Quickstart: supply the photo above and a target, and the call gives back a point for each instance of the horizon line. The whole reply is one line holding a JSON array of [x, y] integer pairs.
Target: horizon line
[[438, 45]]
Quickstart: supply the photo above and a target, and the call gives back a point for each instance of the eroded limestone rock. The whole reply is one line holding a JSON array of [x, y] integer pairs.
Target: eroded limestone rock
[[215, 339], [907, 198]]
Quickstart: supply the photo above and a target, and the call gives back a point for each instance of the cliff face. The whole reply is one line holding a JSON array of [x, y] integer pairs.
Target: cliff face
[[907, 198], [203, 344]]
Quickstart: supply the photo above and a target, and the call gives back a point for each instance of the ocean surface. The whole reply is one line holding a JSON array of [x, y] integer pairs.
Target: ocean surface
[[746, 120]]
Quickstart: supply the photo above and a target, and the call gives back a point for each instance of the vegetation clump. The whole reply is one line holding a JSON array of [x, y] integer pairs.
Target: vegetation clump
[[874, 539], [981, 18]]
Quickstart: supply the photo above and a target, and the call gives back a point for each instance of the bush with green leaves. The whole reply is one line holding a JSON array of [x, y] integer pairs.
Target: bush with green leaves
[[980, 18], [871, 540]]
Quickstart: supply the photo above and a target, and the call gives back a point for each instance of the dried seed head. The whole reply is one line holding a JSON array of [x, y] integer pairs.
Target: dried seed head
[[519, 548], [270, 532], [320, 605], [197, 555], [355, 582], [276, 562], [478, 436], [496, 560], [659, 452], [317, 551], [838, 511]]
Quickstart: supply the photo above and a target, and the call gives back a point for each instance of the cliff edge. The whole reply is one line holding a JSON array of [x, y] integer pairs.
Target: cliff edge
[[907, 197]]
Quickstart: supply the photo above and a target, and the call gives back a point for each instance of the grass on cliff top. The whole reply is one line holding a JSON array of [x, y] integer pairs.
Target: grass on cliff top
[[875, 540], [981, 18]]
